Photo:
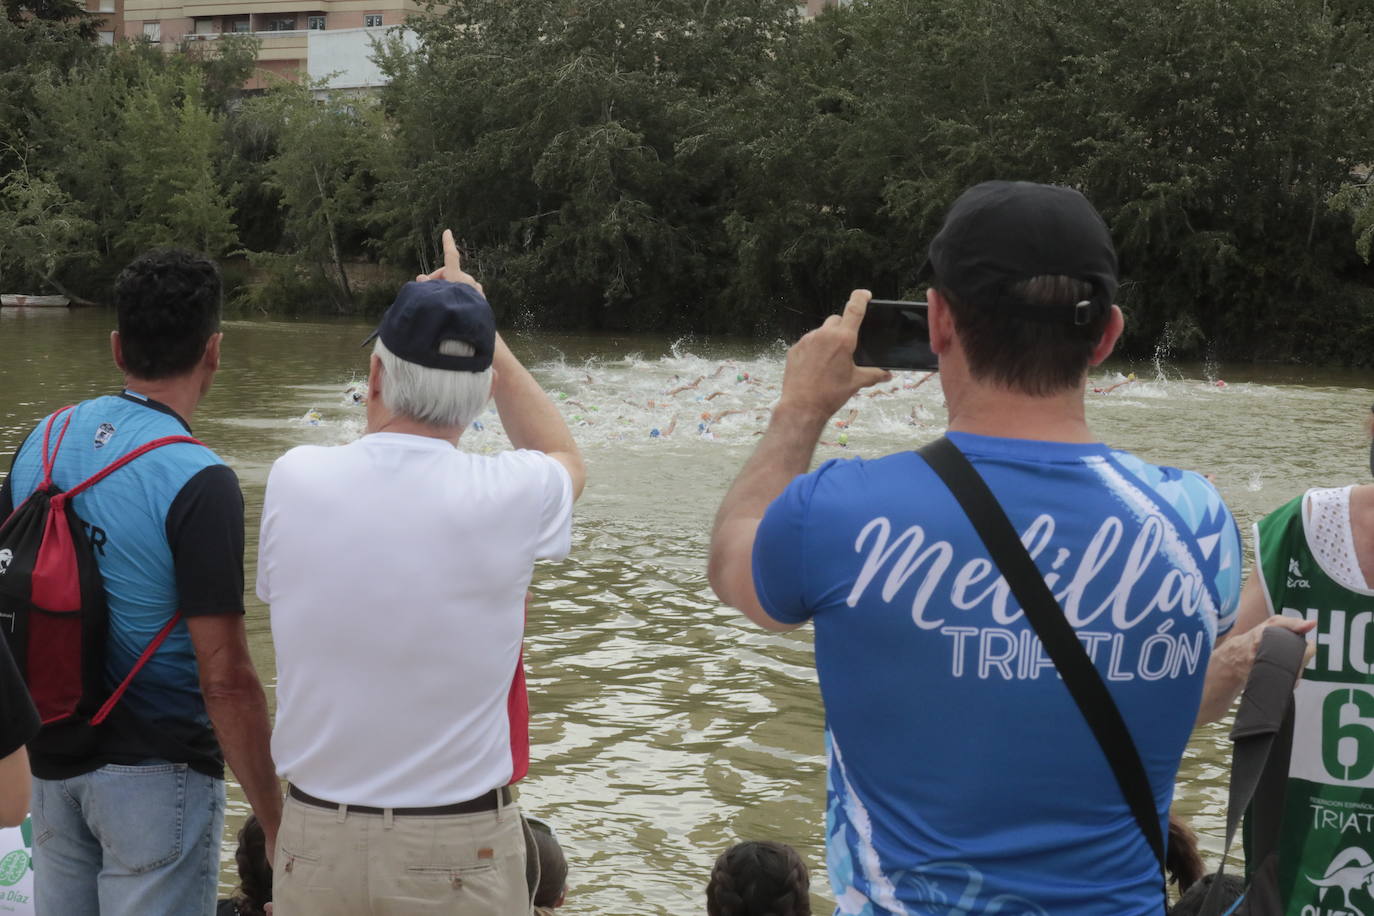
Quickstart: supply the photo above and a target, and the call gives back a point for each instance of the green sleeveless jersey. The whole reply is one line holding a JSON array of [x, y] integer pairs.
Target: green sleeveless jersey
[[1326, 853]]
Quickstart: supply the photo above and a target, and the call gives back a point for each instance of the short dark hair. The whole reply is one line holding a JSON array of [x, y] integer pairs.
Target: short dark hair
[[1190, 904], [168, 305], [1033, 357], [757, 878]]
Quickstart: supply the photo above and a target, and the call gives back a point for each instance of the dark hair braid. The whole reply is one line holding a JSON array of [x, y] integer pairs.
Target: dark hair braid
[[759, 879]]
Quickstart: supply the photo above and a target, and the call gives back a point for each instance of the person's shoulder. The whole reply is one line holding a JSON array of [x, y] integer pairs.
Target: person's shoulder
[[856, 468], [847, 481], [310, 456], [520, 459], [1191, 494]]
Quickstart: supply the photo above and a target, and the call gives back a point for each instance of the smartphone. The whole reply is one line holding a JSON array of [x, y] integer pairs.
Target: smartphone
[[895, 334]]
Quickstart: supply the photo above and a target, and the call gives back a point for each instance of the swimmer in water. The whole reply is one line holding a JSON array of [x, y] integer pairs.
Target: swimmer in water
[[355, 394], [656, 433], [912, 386], [1110, 388], [689, 385], [841, 441], [845, 423]]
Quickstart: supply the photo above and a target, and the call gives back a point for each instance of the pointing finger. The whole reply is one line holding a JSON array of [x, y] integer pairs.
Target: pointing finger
[[452, 264], [855, 309]]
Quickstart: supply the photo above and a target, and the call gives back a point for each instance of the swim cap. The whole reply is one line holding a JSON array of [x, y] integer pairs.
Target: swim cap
[[654, 433]]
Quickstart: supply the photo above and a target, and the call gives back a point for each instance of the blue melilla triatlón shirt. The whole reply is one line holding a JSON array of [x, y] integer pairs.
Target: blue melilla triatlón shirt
[[167, 530], [962, 777]]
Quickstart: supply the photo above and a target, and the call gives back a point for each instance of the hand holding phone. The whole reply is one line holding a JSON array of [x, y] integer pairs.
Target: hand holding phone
[[895, 334]]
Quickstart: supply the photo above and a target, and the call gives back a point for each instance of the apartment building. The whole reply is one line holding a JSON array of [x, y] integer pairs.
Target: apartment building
[[290, 31], [327, 40], [109, 16]]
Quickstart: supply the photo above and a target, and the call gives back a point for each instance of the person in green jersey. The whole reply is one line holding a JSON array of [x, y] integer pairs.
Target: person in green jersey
[[1315, 562]]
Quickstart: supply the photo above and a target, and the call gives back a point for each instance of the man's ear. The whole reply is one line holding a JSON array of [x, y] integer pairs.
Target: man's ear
[[941, 322], [117, 350], [211, 356], [374, 378], [1110, 334]]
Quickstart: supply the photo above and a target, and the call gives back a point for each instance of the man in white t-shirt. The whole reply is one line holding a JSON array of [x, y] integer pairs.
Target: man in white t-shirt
[[396, 568]]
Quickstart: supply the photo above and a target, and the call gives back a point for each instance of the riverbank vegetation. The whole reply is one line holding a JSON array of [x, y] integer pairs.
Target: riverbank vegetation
[[722, 166]]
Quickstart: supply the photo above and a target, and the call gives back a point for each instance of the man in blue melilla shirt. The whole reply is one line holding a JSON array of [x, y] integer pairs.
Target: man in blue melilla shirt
[[962, 777], [128, 819]]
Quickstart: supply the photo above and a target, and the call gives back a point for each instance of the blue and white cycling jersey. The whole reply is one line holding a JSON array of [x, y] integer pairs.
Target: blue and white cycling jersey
[[962, 777], [167, 530]]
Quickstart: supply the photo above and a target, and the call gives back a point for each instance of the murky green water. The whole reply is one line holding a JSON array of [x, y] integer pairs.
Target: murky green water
[[664, 727]]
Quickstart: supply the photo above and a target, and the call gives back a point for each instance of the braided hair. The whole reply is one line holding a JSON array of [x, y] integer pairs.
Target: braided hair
[[759, 879]]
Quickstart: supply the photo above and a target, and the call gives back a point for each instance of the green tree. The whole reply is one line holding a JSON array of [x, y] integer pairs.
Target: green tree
[[581, 167], [170, 179], [320, 170], [41, 230]]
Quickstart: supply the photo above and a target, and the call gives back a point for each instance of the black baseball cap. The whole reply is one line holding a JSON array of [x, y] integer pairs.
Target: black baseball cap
[[427, 313], [1000, 233]]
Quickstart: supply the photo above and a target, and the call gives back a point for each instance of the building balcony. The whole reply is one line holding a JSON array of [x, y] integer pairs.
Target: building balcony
[[275, 45]]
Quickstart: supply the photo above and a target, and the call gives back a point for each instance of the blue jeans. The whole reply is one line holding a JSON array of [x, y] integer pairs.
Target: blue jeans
[[128, 841]]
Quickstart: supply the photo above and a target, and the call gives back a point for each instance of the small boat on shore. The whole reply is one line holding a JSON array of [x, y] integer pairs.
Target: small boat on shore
[[16, 300]]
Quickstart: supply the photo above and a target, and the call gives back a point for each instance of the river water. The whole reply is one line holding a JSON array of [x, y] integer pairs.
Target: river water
[[664, 727]]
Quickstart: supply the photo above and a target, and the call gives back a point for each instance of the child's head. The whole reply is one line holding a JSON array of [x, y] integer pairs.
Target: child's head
[[255, 875], [758, 878], [1190, 904], [1183, 860], [549, 882]]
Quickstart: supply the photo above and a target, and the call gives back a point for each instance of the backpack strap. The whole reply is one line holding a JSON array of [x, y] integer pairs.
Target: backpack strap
[[118, 692], [50, 459], [1265, 716], [1061, 642], [115, 465], [59, 502]]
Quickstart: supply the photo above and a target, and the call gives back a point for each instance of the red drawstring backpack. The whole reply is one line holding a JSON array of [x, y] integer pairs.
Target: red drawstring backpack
[[52, 598]]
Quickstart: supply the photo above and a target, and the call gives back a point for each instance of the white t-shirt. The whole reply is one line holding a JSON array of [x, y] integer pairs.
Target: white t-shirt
[[396, 569]]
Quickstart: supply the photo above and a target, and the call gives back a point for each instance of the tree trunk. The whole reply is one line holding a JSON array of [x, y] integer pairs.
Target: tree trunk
[[57, 285], [334, 243]]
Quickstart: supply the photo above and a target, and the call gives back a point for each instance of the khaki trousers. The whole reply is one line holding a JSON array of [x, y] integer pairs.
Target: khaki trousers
[[338, 863]]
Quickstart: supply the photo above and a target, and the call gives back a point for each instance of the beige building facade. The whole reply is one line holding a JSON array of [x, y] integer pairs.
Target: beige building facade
[[321, 39], [283, 27]]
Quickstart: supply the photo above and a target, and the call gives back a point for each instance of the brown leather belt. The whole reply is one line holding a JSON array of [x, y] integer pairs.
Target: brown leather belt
[[487, 802]]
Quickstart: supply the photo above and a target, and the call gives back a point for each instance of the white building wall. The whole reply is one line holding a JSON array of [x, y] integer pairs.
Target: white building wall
[[343, 57]]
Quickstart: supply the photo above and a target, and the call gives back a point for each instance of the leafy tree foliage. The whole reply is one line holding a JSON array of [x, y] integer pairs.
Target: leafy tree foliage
[[576, 147], [723, 166]]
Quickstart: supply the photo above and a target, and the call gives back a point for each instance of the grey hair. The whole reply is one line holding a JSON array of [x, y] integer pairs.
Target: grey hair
[[437, 397]]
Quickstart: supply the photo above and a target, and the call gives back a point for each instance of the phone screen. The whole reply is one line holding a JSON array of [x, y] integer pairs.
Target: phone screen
[[895, 335]]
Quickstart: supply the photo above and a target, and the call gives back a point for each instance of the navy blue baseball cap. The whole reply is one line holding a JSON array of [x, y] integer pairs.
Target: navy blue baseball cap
[[1000, 233], [427, 313]]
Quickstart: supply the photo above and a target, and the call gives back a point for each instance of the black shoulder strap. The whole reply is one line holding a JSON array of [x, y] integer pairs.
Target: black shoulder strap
[[1261, 741], [1056, 634]]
